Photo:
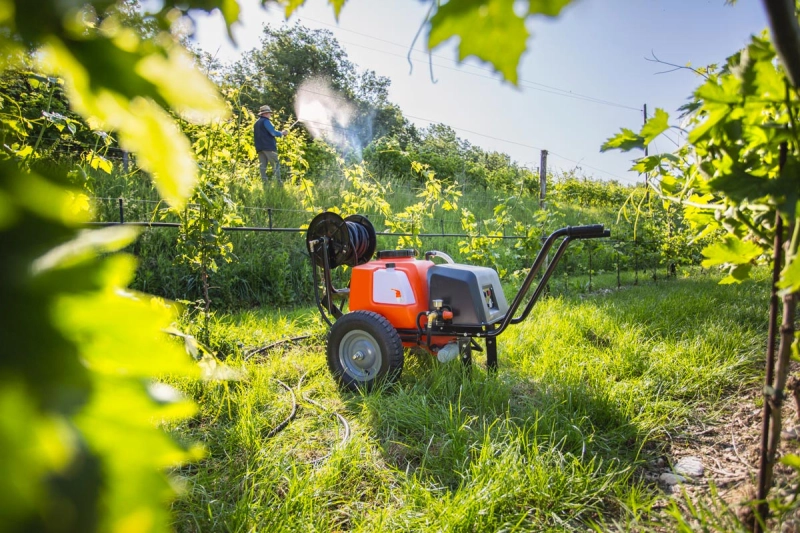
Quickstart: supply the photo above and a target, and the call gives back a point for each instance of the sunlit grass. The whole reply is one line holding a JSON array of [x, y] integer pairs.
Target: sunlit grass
[[587, 388]]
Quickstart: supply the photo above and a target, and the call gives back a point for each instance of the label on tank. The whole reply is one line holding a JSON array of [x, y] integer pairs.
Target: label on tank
[[489, 297], [391, 286]]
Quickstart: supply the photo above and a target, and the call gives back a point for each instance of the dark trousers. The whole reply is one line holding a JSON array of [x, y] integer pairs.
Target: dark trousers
[[272, 159]]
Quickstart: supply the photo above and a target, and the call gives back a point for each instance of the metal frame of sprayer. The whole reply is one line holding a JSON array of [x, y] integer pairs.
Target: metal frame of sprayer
[[445, 308]]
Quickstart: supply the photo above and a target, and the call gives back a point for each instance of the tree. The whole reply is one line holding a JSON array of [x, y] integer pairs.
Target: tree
[[277, 73], [288, 56], [442, 150]]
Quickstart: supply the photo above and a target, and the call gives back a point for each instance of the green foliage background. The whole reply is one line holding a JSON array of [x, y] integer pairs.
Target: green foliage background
[[82, 355]]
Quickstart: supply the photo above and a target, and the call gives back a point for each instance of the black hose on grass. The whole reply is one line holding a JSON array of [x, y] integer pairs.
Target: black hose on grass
[[268, 347], [342, 420], [280, 427]]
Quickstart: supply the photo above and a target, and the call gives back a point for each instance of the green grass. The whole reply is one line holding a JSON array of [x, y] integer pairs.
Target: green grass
[[554, 442]]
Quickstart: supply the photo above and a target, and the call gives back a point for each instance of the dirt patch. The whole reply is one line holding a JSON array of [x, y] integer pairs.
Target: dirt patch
[[728, 452]]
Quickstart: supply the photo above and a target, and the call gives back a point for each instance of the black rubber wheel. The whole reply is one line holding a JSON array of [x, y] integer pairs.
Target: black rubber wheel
[[363, 350]]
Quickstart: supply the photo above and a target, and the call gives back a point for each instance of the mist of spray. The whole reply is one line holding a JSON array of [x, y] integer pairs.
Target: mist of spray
[[328, 115]]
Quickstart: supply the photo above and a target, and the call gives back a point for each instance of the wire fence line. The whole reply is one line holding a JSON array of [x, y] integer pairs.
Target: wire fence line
[[142, 211], [123, 211], [587, 265]]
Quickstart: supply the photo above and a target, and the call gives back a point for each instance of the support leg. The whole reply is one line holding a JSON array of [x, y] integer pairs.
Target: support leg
[[466, 357], [491, 354]]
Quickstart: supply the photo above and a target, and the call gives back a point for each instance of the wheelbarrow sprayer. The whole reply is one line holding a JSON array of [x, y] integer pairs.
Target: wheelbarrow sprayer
[[398, 301]]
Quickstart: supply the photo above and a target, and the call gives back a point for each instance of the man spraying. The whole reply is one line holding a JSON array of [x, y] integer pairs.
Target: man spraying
[[264, 134]]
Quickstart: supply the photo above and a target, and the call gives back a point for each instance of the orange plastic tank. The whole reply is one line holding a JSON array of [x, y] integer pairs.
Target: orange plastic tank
[[395, 287]]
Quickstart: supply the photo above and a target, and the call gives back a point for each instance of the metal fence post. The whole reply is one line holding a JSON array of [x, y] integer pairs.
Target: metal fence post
[[121, 212]]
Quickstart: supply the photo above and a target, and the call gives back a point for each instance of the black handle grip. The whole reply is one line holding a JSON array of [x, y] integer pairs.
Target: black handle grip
[[587, 232]]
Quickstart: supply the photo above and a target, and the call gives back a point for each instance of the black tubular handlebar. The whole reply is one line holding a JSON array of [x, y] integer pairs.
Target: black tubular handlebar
[[568, 234], [587, 232]]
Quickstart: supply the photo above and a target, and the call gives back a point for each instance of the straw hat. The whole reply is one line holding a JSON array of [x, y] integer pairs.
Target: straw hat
[[264, 109]]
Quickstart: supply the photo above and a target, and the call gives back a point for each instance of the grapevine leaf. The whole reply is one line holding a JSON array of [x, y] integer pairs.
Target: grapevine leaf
[[739, 185], [625, 140], [792, 460], [230, 12], [689, 108], [337, 7], [741, 65], [787, 187], [291, 6], [45, 199], [24, 152], [754, 69], [703, 223], [731, 250], [86, 245], [89, 422], [790, 277], [488, 29], [99, 162], [761, 49], [171, 74], [655, 126], [715, 114], [25, 435], [161, 149], [550, 8], [713, 93], [107, 66], [121, 416], [646, 164], [669, 185], [8, 213], [143, 126], [768, 82], [738, 274], [98, 338], [15, 126]]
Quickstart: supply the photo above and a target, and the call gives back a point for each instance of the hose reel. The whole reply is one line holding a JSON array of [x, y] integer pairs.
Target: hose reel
[[350, 241]]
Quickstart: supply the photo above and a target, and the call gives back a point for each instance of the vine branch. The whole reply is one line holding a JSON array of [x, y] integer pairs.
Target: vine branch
[[675, 67]]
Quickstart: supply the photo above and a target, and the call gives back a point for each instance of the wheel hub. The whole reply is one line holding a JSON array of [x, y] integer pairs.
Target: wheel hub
[[360, 355]]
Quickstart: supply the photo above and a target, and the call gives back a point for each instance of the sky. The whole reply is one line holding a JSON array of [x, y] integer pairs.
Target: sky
[[584, 76]]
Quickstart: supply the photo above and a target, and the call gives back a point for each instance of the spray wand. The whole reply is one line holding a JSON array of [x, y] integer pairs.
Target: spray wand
[[290, 127]]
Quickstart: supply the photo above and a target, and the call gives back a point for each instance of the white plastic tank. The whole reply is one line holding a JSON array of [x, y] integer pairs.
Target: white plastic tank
[[391, 286]]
